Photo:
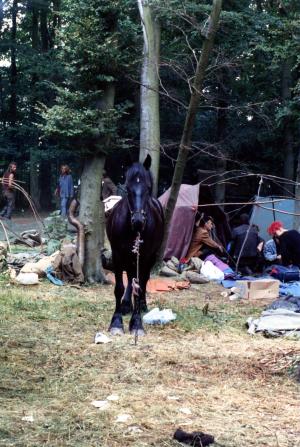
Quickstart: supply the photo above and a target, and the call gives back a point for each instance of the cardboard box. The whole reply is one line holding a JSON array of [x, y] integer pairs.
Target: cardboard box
[[259, 289]]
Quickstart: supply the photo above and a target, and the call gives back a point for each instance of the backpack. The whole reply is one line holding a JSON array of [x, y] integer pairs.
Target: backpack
[[285, 274]]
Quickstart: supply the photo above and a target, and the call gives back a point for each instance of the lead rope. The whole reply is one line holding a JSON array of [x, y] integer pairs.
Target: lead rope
[[135, 281]]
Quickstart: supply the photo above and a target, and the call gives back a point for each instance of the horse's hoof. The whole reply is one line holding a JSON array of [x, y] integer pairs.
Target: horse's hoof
[[116, 331], [138, 332]]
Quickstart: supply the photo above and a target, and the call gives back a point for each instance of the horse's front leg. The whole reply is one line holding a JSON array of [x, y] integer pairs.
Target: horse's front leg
[[136, 323], [126, 302], [116, 325]]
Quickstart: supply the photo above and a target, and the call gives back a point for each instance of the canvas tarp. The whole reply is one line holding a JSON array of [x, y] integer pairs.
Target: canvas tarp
[[183, 220], [264, 214], [182, 223]]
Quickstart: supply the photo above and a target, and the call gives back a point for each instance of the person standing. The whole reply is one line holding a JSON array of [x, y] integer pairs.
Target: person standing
[[65, 189], [9, 191], [108, 188]]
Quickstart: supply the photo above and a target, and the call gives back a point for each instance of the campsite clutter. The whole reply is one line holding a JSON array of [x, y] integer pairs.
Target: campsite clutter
[[54, 256]]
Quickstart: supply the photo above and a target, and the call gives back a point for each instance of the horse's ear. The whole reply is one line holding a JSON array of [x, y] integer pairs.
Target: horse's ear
[[147, 162]]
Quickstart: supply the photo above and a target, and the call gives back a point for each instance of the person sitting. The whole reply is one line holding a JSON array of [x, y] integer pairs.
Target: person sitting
[[246, 245], [202, 243], [271, 251], [289, 243]]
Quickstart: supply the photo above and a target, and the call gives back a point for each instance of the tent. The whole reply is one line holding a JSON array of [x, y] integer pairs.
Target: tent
[[183, 220], [274, 209]]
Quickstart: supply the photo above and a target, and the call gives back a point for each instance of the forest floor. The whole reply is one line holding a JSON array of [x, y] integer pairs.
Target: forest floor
[[201, 372], [21, 222]]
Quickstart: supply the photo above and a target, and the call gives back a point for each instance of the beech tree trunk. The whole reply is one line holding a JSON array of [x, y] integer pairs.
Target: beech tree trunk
[[91, 208], [90, 185], [34, 158], [149, 98], [186, 139]]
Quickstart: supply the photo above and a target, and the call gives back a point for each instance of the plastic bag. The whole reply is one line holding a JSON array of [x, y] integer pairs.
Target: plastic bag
[[156, 316], [211, 271], [27, 279]]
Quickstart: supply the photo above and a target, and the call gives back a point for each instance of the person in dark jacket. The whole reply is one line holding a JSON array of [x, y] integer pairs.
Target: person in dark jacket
[[8, 190], [108, 188], [246, 245], [289, 243], [65, 189]]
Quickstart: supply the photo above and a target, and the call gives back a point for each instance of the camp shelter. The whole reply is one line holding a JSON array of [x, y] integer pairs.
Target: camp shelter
[[275, 208], [183, 219]]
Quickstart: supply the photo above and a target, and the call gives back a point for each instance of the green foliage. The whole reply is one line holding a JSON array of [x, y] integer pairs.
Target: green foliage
[[94, 57]]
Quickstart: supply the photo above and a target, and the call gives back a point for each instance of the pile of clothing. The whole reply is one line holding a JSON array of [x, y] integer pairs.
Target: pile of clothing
[[197, 271], [282, 317]]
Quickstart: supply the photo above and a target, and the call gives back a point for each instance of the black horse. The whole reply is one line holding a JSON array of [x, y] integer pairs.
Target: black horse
[[135, 224]]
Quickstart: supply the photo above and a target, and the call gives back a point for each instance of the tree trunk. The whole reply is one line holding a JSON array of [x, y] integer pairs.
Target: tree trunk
[[34, 176], [90, 216], [44, 27], [149, 101], [186, 139], [46, 192], [288, 170], [13, 66], [1, 14], [91, 208], [34, 158], [220, 191], [221, 163]]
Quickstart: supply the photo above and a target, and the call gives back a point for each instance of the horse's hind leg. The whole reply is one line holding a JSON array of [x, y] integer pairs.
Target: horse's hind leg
[[144, 279], [116, 325]]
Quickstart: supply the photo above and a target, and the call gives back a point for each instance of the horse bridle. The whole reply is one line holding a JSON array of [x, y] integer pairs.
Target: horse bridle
[[133, 213]]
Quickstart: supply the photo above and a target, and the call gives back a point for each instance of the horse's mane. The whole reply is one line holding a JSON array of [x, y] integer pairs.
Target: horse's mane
[[137, 169]]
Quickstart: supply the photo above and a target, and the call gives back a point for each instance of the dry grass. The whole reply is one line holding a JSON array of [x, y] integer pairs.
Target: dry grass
[[204, 372]]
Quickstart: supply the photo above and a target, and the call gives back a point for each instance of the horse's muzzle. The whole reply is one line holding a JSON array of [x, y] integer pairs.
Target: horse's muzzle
[[138, 220]]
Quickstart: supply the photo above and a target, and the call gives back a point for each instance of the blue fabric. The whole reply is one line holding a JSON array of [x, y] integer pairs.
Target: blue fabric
[[270, 251], [285, 274], [66, 188], [64, 206], [228, 283], [49, 273], [292, 288]]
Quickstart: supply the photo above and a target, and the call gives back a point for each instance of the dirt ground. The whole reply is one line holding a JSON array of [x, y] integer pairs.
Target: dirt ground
[[20, 222], [202, 372]]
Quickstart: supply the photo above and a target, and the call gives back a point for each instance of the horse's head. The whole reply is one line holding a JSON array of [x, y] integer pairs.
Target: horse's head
[[139, 185]]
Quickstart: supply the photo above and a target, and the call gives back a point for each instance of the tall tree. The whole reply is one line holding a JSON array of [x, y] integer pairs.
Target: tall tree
[[85, 116], [186, 139], [149, 97]]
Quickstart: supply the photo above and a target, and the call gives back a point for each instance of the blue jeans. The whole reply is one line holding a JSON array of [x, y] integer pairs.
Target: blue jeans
[[9, 197], [64, 202]]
